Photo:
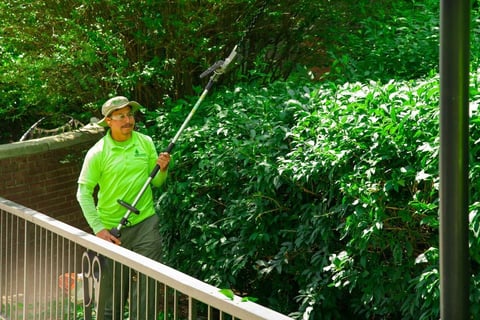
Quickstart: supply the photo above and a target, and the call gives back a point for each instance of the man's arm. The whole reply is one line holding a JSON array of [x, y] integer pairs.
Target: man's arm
[[87, 203], [162, 161]]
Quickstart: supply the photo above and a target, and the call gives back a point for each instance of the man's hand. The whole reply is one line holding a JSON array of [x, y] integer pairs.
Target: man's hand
[[163, 161], [106, 235]]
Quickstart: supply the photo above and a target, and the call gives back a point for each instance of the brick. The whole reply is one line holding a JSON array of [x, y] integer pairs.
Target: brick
[[44, 178]]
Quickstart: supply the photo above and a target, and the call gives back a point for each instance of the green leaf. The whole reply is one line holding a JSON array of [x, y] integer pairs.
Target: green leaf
[[227, 293], [252, 299]]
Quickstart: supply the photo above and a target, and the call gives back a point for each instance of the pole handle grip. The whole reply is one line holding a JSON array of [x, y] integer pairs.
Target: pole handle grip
[[157, 167], [128, 206], [154, 171], [170, 147], [115, 232]]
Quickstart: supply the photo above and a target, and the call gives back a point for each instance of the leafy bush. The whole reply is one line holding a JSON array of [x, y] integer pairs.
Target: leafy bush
[[320, 201], [372, 145]]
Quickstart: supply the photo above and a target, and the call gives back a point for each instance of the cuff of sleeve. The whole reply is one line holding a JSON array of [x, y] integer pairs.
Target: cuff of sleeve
[[97, 228], [160, 178]]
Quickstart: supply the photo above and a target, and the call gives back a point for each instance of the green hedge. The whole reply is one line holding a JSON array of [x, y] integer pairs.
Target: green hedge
[[321, 201]]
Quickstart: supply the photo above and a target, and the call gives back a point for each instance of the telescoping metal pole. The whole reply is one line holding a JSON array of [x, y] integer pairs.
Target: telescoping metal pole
[[217, 69], [454, 115]]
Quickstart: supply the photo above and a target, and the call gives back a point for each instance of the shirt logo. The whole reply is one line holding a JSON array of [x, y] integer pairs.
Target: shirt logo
[[138, 154]]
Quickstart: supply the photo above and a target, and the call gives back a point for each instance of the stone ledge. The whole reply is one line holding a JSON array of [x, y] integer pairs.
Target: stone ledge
[[67, 139]]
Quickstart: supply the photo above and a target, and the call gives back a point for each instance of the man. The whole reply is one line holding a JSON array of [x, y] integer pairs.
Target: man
[[119, 164]]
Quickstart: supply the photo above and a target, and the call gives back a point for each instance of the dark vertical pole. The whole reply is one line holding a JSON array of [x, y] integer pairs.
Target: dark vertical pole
[[454, 83]]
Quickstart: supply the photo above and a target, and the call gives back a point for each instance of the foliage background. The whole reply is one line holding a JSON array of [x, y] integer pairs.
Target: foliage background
[[309, 177]]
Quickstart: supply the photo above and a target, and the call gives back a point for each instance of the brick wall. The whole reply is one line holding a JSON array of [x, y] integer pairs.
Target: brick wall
[[42, 174]]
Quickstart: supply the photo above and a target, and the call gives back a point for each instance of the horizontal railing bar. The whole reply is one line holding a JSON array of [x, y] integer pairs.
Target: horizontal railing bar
[[182, 282]]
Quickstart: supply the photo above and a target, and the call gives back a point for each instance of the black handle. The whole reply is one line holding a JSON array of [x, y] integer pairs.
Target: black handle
[[157, 167], [128, 206], [170, 147], [154, 171], [115, 232]]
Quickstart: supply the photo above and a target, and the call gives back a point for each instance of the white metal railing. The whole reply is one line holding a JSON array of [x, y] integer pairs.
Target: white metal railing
[[47, 266]]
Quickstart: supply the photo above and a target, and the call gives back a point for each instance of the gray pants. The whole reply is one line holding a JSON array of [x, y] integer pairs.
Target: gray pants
[[119, 284]]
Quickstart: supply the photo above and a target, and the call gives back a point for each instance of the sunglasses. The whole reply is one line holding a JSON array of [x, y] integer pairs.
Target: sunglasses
[[122, 117]]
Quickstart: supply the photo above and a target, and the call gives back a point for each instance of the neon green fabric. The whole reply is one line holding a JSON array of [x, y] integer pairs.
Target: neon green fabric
[[120, 169]]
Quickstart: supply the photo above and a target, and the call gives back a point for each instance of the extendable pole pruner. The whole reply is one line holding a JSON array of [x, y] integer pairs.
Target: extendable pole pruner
[[218, 68]]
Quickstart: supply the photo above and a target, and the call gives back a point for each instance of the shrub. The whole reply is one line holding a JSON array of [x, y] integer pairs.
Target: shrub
[[320, 201]]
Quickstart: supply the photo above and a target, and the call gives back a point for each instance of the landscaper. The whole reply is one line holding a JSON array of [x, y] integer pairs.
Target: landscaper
[[119, 164]]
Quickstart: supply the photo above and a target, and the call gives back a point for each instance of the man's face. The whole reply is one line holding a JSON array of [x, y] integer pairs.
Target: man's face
[[121, 123]]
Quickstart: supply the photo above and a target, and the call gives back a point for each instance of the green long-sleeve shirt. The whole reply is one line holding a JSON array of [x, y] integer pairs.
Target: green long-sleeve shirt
[[120, 169]]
